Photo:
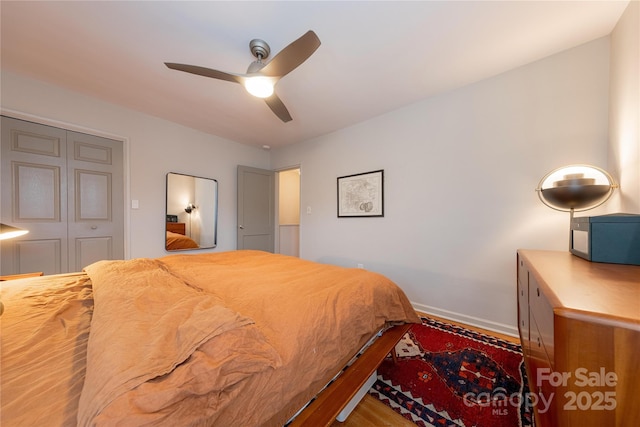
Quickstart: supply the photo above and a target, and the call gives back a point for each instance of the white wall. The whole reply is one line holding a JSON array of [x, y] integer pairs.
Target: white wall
[[155, 147], [624, 115], [460, 173]]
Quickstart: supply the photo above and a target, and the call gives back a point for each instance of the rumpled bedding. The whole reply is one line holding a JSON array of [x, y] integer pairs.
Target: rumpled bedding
[[43, 346], [242, 338], [158, 347], [176, 241]]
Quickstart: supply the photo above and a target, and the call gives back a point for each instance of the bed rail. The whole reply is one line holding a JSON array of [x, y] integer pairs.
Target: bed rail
[[326, 407]]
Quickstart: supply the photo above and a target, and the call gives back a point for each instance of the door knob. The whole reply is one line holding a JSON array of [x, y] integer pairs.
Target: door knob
[[94, 227], [241, 227]]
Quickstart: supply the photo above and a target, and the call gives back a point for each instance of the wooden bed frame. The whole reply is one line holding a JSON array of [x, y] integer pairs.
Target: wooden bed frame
[[324, 410]]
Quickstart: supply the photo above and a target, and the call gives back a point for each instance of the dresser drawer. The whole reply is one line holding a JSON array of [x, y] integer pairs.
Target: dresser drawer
[[541, 312], [523, 273], [539, 367], [538, 349], [523, 313]]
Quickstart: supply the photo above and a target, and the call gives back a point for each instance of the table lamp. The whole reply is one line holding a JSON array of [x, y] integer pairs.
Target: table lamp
[[576, 188], [9, 232]]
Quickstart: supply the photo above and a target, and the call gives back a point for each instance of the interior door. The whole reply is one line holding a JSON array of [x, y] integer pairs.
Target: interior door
[[67, 189], [256, 209], [95, 200], [34, 186]]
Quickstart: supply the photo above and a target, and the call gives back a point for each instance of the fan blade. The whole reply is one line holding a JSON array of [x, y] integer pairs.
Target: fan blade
[[292, 56], [278, 108], [206, 72]]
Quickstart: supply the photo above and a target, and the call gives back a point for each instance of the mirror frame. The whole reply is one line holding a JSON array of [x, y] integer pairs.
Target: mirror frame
[[202, 207]]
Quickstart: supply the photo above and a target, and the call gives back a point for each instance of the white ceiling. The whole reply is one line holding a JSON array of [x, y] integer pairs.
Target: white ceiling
[[375, 56]]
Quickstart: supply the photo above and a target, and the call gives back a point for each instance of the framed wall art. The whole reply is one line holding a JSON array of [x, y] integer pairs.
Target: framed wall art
[[361, 195]]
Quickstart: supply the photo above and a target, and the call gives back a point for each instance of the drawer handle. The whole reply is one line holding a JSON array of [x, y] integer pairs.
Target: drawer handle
[[538, 291]]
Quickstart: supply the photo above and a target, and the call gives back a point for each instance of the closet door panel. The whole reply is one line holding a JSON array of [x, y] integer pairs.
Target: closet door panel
[[91, 249], [34, 193], [96, 199], [93, 196], [36, 255], [33, 138]]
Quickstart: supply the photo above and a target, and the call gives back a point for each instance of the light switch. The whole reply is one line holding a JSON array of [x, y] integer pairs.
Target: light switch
[[135, 204], [308, 210]]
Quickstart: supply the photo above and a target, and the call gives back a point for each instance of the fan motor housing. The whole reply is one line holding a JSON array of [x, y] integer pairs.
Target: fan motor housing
[[259, 48]]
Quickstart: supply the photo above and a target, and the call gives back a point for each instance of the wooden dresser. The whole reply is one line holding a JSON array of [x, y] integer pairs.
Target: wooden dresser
[[579, 324], [176, 227]]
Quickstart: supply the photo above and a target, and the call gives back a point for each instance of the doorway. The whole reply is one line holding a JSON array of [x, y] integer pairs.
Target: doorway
[[268, 216], [288, 226]]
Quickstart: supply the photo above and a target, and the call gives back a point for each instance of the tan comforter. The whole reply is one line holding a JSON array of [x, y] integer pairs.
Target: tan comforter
[[241, 338], [43, 345], [177, 241]]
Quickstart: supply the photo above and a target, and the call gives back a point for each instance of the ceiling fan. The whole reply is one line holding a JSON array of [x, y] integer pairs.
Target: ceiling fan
[[261, 78]]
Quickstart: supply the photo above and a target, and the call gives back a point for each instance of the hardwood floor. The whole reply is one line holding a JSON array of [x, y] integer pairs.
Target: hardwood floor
[[373, 413], [370, 412]]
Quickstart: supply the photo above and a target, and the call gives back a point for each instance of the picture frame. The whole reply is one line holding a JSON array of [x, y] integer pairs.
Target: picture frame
[[361, 195]]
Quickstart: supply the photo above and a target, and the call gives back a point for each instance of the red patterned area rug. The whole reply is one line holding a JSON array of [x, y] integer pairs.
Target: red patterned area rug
[[446, 375]]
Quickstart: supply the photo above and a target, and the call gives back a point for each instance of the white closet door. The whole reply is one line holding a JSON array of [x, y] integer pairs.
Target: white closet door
[[95, 199], [34, 184], [67, 189]]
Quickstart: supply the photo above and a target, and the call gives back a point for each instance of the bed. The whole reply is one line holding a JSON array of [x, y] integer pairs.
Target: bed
[[177, 241], [242, 338]]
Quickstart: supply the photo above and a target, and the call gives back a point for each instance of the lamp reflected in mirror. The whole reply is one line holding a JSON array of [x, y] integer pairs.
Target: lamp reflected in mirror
[[191, 212]]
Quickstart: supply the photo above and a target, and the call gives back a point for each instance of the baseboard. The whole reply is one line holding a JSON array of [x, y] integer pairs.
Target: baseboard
[[469, 320]]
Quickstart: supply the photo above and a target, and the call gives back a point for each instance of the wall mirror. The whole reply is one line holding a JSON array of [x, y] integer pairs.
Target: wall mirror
[[192, 212]]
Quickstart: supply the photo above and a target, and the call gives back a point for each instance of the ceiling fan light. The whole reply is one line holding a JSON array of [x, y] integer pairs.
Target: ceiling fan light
[[261, 87]]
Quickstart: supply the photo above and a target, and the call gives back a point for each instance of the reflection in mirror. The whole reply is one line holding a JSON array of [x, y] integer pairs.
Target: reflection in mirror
[[192, 212]]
